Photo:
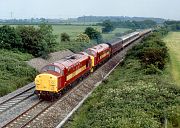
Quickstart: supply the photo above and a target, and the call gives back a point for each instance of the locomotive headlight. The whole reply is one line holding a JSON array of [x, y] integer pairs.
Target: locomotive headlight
[[37, 81], [53, 82]]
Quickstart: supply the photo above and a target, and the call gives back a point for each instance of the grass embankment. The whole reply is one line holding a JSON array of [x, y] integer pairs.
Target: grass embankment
[[132, 97], [14, 72], [173, 44]]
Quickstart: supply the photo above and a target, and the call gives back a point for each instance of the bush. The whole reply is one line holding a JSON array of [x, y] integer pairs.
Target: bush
[[93, 34], [65, 37], [14, 72], [31, 39], [152, 69], [107, 26], [152, 52], [9, 38], [82, 38], [155, 56]]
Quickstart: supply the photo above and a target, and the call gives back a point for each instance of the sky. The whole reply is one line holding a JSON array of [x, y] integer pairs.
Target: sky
[[20, 9]]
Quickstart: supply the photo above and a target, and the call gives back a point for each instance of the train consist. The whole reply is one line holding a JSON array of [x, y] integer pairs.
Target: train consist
[[63, 73]]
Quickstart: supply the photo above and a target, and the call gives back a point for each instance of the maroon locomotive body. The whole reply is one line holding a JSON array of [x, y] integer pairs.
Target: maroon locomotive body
[[58, 75], [99, 53]]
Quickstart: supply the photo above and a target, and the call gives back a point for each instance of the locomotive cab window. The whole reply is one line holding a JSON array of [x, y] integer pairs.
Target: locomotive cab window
[[90, 52], [52, 68]]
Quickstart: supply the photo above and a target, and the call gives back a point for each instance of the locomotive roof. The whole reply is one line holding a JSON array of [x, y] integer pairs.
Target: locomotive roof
[[71, 60], [100, 47]]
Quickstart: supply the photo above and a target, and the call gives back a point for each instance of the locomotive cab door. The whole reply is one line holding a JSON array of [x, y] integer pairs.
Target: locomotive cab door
[[61, 81]]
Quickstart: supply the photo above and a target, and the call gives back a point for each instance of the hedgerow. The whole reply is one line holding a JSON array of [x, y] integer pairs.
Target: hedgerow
[[152, 53]]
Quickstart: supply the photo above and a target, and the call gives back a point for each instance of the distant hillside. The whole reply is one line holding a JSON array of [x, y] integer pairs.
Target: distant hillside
[[117, 18], [83, 19]]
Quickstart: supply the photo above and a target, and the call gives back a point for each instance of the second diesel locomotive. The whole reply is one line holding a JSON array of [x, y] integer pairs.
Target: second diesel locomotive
[[61, 74]]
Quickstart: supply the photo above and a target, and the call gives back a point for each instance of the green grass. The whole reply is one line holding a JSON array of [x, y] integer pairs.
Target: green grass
[[173, 44], [14, 72], [74, 30]]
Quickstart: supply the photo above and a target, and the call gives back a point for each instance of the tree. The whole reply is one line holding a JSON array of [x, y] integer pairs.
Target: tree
[[48, 37], [9, 39], [65, 37], [37, 41], [31, 39], [107, 26], [93, 34], [82, 38]]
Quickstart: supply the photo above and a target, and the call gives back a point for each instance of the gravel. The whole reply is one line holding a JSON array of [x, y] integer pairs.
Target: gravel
[[38, 63]]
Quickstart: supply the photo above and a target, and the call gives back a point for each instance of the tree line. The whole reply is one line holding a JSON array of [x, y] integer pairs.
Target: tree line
[[172, 25], [38, 41], [117, 19], [109, 26]]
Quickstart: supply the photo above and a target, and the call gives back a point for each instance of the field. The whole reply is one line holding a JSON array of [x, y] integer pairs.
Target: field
[[74, 30], [173, 44]]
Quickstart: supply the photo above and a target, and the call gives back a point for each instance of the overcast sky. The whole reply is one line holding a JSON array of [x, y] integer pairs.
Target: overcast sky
[[169, 9]]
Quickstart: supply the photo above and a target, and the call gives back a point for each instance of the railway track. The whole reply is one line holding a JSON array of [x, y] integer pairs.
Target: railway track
[[29, 115], [9, 103], [40, 107]]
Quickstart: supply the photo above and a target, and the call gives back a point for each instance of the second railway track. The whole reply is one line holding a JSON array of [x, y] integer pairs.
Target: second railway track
[[9, 103]]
